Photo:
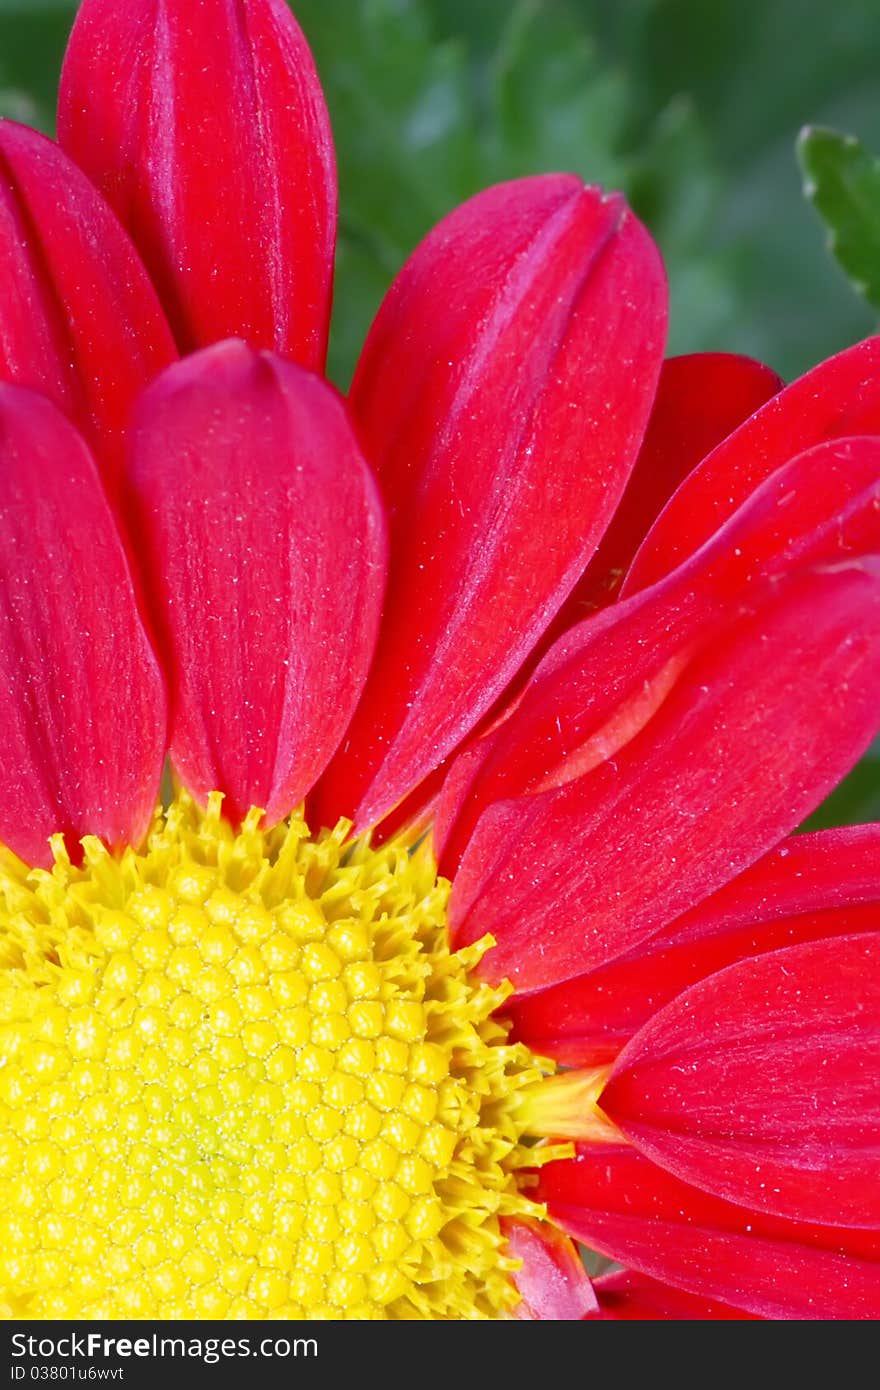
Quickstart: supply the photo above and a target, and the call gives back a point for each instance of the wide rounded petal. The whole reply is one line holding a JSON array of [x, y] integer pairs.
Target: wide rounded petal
[[82, 704], [551, 1279], [79, 319], [759, 1084], [501, 396], [840, 397], [616, 1201], [737, 736], [812, 886], [701, 399], [626, 1296], [205, 127], [264, 547]]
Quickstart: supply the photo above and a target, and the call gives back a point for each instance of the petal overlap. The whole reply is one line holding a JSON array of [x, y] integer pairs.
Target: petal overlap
[[79, 319], [82, 698], [702, 397], [810, 888], [823, 505], [838, 398], [629, 1297], [527, 814], [624, 1206], [501, 397], [759, 1084], [572, 876]]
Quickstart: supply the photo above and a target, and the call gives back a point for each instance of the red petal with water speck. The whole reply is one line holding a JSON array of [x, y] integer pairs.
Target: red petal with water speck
[[551, 1279], [205, 127], [79, 319], [622, 1205], [701, 399], [264, 544], [839, 397], [82, 705], [812, 886], [738, 736], [501, 396], [759, 1084], [630, 1297]]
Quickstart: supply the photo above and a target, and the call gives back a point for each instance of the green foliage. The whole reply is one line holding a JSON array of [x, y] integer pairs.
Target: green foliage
[[32, 38], [422, 121], [842, 180], [856, 800]]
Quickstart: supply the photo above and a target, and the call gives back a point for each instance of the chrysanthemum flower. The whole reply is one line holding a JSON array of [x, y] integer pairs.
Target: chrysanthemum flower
[[258, 1057]]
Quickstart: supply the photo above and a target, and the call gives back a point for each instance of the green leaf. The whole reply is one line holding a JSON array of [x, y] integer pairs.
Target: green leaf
[[856, 800], [551, 103], [842, 181], [33, 34]]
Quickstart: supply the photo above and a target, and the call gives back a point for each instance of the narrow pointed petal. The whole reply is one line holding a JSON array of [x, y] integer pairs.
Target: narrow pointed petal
[[736, 740], [79, 319], [553, 1283], [501, 396], [630, 1297], [840, 397], [759, 1084], [701, 399], [811, 887], [264, 543], [205, 127], [622, 1205], [82, 704]]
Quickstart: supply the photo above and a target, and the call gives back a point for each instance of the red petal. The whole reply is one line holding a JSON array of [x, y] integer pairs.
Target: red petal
[[619, 1203], [502, 396], [738, 736], [700, 400], [551, 1279], [599, 681], [629, 1297], [79, 319], [82, 704], [204, 126], [265, 545], [839, 397], [759, 1084], [813, 886]]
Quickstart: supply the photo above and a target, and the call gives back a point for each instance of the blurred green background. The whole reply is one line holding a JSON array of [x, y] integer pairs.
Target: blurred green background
[[691, 108]]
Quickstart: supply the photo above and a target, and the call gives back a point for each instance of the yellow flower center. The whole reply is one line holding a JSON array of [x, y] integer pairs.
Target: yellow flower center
[[242, 1076]]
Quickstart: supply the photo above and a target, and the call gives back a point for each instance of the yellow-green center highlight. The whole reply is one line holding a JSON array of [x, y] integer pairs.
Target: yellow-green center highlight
[[242, 1076]]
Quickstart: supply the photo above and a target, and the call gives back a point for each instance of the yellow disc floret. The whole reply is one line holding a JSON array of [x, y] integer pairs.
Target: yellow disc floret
[[242, 1076]]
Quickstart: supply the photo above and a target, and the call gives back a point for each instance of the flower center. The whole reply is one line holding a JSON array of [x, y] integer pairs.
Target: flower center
[[242, 1076]]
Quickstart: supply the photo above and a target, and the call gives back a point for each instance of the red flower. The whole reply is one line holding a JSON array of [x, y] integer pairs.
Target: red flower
[[609, 628]]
